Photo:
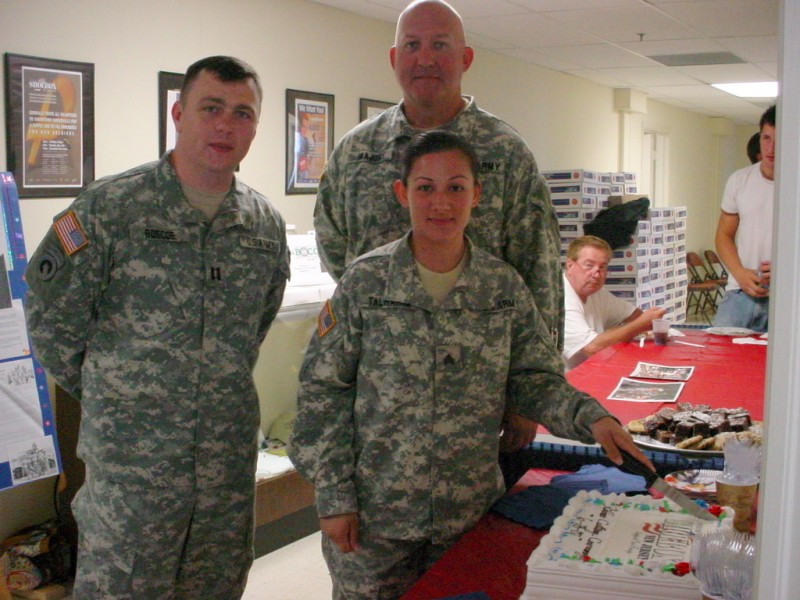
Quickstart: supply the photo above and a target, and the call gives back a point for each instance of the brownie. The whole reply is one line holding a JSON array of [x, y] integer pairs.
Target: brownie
[[701, 428], [739, 422], [718, 423], [664, 436], [684, 429], [653, 423], [667, 413]]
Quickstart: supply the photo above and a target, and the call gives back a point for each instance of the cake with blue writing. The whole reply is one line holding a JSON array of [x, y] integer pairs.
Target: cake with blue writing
[[613, 546]]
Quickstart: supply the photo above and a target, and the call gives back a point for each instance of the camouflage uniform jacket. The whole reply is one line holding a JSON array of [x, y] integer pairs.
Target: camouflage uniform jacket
[[357, 211], [400, 402], [156, 323]]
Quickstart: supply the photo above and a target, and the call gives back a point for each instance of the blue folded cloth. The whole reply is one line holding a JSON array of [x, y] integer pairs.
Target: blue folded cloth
[[606, 480], [470, 596], [539, 505]]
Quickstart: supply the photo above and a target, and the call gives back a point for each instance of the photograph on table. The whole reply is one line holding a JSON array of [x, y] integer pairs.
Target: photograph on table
[[645, 370], [631, 390]]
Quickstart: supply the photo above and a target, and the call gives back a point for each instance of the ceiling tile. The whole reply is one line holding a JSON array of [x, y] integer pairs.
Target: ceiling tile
[[726, 18], [601, 77], [685, 91], [528, 31], [481, 41], [724, 73], [753, 48], [470, 9], [646, 76], [662, 47], [550, 5], [535, 57], [597, 56], [770, 68], [625, 25]]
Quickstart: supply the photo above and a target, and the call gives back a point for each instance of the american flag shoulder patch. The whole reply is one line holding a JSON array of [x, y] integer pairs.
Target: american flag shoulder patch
[[325, 320], [70, 233]]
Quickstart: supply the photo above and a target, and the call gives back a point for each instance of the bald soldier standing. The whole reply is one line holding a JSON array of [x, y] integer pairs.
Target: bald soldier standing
[[356, 210]]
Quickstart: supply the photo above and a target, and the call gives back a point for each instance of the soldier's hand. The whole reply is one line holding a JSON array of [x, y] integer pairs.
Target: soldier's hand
[[611, 436], [518, 432], [342, 529]]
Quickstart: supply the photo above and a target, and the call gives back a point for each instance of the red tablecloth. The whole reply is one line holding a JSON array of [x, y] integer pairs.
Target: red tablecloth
[[726, 375], [492, 557]]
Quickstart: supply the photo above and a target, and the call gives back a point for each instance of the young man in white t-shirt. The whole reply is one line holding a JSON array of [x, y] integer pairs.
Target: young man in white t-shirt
[[595, 318], [744, 237]]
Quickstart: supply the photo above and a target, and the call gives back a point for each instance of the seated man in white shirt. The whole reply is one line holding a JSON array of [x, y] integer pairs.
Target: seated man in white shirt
[[595, 318]]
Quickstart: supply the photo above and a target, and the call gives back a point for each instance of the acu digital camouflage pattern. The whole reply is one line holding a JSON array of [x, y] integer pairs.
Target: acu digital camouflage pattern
[[156, 326], [401, 402], [125, 556], [357, 211], [381, 569]]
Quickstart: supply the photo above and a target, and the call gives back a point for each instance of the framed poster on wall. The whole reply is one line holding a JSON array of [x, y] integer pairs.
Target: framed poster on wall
[[309, 139], [49, 125], [368, 108]]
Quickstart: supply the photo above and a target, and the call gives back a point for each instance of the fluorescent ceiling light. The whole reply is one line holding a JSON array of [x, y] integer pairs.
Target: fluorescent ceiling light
[[763, 89]]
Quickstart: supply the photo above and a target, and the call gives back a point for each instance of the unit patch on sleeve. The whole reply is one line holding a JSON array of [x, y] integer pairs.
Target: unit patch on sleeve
[[325, 320], [70, 233]]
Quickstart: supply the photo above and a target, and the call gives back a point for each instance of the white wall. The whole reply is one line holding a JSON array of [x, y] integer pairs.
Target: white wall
[[568, 122]]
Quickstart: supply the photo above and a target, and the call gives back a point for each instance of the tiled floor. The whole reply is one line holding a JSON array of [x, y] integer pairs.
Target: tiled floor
[[294, 572]]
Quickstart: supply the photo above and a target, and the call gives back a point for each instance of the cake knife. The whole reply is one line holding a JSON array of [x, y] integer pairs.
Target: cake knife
[[652, 480]]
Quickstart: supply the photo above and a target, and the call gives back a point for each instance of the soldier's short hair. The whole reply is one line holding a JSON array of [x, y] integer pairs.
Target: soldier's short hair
[[438, 140], [225, 68], [579, 243]]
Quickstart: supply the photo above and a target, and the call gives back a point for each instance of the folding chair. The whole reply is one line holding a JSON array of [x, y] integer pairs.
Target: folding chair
[[716, 267], [702, 294], [714, 272]]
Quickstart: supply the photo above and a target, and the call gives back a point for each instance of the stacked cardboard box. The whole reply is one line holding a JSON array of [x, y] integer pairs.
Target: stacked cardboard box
[[651, 271], [577, 195]]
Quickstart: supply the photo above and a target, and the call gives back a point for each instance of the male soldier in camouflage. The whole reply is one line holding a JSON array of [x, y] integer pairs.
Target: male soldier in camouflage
[[148, 300], [425, 344], [356, 210]]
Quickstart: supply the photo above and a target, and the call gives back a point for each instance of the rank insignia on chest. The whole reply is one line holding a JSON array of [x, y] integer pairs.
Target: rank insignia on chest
[[70, 233], [448, 358], [325, 321]]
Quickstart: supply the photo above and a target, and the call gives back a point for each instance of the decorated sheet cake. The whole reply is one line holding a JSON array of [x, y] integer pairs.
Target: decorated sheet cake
[[614, 546]]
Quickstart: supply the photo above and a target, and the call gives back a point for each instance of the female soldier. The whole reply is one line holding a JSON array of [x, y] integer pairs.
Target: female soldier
[[425, 344]]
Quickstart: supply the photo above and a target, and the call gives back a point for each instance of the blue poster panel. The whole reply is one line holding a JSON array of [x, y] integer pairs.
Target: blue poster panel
[[28, 443]]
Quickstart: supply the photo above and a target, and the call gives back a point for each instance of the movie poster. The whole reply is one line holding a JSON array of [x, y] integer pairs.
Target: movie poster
[[52, 128]]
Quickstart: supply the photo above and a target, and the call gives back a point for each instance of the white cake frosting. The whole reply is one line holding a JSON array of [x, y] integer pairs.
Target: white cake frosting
[[617, 546]]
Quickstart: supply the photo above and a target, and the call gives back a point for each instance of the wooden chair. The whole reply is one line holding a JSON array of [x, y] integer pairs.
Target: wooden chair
[[702, 294]]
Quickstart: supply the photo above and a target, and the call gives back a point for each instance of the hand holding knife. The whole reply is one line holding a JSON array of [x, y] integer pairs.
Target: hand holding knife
[[652, 480]]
